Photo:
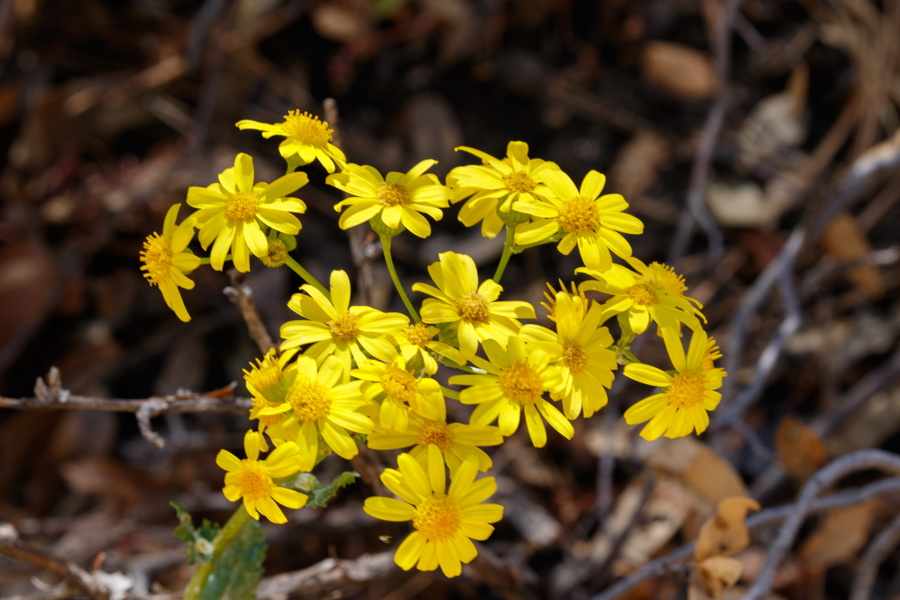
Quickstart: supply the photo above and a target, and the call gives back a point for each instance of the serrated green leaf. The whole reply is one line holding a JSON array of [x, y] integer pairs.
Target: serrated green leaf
[[321, 494], [188, 534], [237, 573]]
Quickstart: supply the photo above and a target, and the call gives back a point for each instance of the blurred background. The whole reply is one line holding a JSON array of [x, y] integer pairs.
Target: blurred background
[[757, 141]]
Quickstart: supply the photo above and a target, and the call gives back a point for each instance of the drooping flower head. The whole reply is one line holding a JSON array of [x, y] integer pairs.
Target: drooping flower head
[[235, 212], [493, 187], [582, 216], [397, 201], [268, 384], [473, 309], [445, 521], [397, 392], [579, 351], [167, 261], [682, 405], [515, 381], [318, 405], [252, 479], [306, 139], [645, 293], [333, 327]]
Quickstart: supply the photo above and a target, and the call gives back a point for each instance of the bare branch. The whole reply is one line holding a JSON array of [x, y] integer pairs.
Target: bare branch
[[242, 296], [327, 576], [875, 554]]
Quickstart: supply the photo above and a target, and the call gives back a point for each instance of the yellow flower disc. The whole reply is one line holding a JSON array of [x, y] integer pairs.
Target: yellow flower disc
[[241, 207], [418, 335], [578, 215], [438, 518], [473, 308], [643, 294], [254, 481], [344, 327], [392, 194], [519, 182], [157, 258], [574, 357], [436, 433], [307, 129], [309, 399], [687, 389], [399, 384], [519, 382]]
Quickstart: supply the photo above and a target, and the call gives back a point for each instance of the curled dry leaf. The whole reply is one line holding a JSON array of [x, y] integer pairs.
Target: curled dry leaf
[[717, 574], [726, 532], [683, 72], [699, 468], [840, 536], [800, 449]]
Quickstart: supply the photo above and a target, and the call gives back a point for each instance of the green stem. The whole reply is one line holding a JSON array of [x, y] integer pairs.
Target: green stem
[[452, 394], [234, 525], [516, 248], [206, 260], [386, 245], [446, 361], [306, 275], [507, 252]]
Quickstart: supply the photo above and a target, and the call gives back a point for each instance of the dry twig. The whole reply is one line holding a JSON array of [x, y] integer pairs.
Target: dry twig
[[242, 296]]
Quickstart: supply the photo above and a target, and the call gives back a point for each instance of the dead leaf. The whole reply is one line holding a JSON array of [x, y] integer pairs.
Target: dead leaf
[[336, 23], [800, 449], [840, 536], [637, 163], [683, 72], [726, 532], [844, 240], [776, 123], [706, 473], [717, 574]]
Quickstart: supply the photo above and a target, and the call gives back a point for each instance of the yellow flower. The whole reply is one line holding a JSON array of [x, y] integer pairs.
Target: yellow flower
[[585, 364], [235, 211], [317, 405], [496, 184], [446, 521], [515, 381], [397, 199], [268, 384], [550, 304], [653, 292], [456, 441], [584, 217], [252, 479], [335, 327], [473, 308], [686, 396], [167, 260], [398, 391], [306, 138], [418, 342]]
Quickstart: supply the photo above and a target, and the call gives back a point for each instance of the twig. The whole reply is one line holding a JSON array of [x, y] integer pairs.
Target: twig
[[874, 555], [242, 296], [75, 576], [856, 461], [327, 576]]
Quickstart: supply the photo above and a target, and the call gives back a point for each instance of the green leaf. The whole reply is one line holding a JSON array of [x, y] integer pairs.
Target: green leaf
[[237, 573], [321, 494], [197, 542]]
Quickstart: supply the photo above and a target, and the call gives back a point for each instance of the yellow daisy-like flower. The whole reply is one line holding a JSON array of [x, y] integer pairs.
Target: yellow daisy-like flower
[[550, 295], [417, 344], [235, 211], [446, 521], [398, 199], [515, 381], [269, 385], [456, 441], [686, 396], [585, 364], [252, 479], [307, 139], [167, 260], [473, 308], [318, 405], [398, 391], [645, 294], [333, 327], [583, 216], [496, 184]]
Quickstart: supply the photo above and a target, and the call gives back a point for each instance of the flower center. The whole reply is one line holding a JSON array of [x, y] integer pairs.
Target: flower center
[[436, 433], [520, 382], [392, 194], [241, 207], [518, 182], [254, 481], [579, 215], [267, 380], [307, 129], [687, 389], [344, 328], [157, 259], [438, 518], [418, 335], [309, 399], [276, 253], [666, 278], [473, 308], [399, 384], [642, 294], [574, 357]]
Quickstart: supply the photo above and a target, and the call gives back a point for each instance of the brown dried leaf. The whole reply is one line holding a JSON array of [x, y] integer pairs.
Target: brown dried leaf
[[637, 162], [709, 475], [683, 72], [840, 536], [800, 450], [844, 240], [726, 532], [718, 573], [337, 23]]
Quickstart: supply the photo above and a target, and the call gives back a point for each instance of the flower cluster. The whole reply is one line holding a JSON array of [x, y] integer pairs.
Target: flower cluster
[[346, 373]]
